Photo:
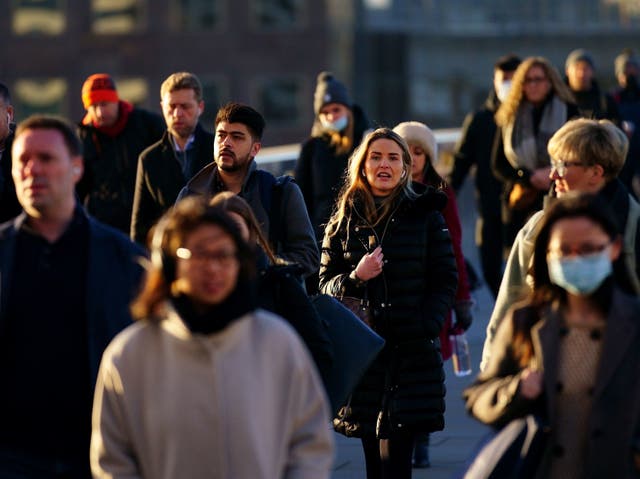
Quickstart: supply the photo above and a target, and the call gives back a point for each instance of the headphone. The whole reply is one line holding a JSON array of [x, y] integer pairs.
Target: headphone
[[159, 257], [404, 173]]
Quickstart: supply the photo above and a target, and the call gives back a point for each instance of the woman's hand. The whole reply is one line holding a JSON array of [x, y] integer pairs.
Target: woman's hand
[[540, 178], [530, 383], [370, 265]]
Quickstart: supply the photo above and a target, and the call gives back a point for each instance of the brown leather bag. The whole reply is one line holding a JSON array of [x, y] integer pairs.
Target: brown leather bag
[[359, 307]]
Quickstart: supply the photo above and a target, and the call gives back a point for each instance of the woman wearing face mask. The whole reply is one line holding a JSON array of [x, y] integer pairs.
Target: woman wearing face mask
[[571, 352], [388, 246], [206, 385], [537, 105], [337, 130]]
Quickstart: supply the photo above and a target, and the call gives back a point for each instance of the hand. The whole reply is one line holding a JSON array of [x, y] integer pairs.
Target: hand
[[530, 383], [540, 178], [464, 318], [370, 265]]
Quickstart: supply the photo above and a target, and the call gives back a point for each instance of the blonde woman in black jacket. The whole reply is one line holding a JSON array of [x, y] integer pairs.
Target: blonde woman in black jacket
[[388, 245]]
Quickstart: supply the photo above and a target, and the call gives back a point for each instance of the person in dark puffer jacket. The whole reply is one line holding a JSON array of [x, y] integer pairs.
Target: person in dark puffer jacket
[[388, 245]]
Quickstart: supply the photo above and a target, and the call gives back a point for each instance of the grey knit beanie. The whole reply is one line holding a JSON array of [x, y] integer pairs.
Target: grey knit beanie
[[329, 90], [579, 55]]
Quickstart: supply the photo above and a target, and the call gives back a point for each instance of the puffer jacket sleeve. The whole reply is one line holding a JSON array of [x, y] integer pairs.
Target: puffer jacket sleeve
[[442, 276], [334, 269]]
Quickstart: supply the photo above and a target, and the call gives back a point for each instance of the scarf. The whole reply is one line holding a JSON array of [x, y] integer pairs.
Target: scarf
[[241, 301], [524, 148], [124, 110]]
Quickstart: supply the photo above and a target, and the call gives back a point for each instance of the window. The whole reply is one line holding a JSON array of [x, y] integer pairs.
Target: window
[[38, 17], [113, 17], [40, 96], [196, 15], [277, 14], [279, 101], [214, 95], [133, 90]]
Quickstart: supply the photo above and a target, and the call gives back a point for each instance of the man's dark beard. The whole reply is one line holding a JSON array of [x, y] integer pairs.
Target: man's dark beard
[[236, 165]]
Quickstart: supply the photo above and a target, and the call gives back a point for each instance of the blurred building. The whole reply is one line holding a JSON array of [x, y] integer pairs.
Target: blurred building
[[432, 60], [429, 60], [262, 52]]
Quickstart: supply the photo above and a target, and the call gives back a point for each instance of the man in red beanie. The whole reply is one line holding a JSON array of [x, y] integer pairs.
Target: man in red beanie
[[113, 133]]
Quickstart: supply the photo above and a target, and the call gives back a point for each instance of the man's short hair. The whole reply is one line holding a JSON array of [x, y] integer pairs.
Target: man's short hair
[[238, 113], [182, 81], [4, 94], [591, 142], [507, 63], [50, 122]]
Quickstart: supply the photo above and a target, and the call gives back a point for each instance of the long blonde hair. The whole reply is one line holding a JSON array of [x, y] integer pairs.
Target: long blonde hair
[[356, 188], [509, 108]]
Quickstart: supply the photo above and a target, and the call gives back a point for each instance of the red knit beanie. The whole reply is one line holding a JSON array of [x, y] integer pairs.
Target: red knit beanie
[[97, 88]]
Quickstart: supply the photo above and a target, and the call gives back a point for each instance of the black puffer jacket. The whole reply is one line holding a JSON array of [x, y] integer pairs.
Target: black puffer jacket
[[409, 302]]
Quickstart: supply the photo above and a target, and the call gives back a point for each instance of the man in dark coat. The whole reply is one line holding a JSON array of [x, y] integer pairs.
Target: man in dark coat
[[627, 98], [474, 148], [56, 315], [278, 205], [166, 166], [9, 206], [113, 133], [592, 103]]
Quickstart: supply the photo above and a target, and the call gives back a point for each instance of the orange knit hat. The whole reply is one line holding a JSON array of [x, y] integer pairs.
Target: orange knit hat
[[97, 88]]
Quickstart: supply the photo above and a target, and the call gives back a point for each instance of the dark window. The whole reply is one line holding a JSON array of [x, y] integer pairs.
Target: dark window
[[48, 95], [277, 14], [196, 15], [280, 101], [111, 17]]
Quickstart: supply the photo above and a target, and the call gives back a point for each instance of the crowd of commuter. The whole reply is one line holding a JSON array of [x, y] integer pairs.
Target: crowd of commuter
[[156, 285]]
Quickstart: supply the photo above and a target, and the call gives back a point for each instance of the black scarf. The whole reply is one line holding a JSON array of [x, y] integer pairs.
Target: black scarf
[[217, 317]]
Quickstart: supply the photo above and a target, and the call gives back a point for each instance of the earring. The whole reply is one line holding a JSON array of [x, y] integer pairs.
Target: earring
[[364, 175], [404, 173]]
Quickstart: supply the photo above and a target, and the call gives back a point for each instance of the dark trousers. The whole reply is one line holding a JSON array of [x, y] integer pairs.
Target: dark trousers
[[388, 458], [24, 465], [489, 241]]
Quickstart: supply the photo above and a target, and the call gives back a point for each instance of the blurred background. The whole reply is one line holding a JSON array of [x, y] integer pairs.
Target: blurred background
[[427, 60]]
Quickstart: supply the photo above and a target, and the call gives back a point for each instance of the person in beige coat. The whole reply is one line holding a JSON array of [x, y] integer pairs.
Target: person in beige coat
[[204, 385], [571, 353]]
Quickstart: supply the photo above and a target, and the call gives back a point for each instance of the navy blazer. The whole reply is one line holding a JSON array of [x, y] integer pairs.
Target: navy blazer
[[113, 276]]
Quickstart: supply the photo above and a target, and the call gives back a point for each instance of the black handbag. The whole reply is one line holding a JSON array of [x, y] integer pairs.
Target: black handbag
[[355, 346], [513, 452]]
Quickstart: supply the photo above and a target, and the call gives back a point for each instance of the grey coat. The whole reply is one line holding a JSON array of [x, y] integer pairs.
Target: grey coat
[[614, 422]]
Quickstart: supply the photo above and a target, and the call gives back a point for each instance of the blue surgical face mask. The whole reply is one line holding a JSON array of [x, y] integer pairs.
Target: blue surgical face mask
[[338, 125], [580, 275]]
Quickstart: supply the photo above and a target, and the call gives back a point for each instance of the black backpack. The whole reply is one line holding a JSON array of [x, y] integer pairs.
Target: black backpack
[[273, 201]]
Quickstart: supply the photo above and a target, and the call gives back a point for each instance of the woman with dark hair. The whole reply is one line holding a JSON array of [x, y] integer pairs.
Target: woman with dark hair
[[538, 104], [204, 384], [571, 352], [387, 245], [278, 287]]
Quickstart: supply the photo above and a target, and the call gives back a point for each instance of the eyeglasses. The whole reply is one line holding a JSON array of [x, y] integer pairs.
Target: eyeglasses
[[534, 80], [200, 257], [582, 250], [560, 166]]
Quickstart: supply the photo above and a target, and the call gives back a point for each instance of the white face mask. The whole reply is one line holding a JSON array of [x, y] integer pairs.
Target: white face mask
[[503, 90]]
